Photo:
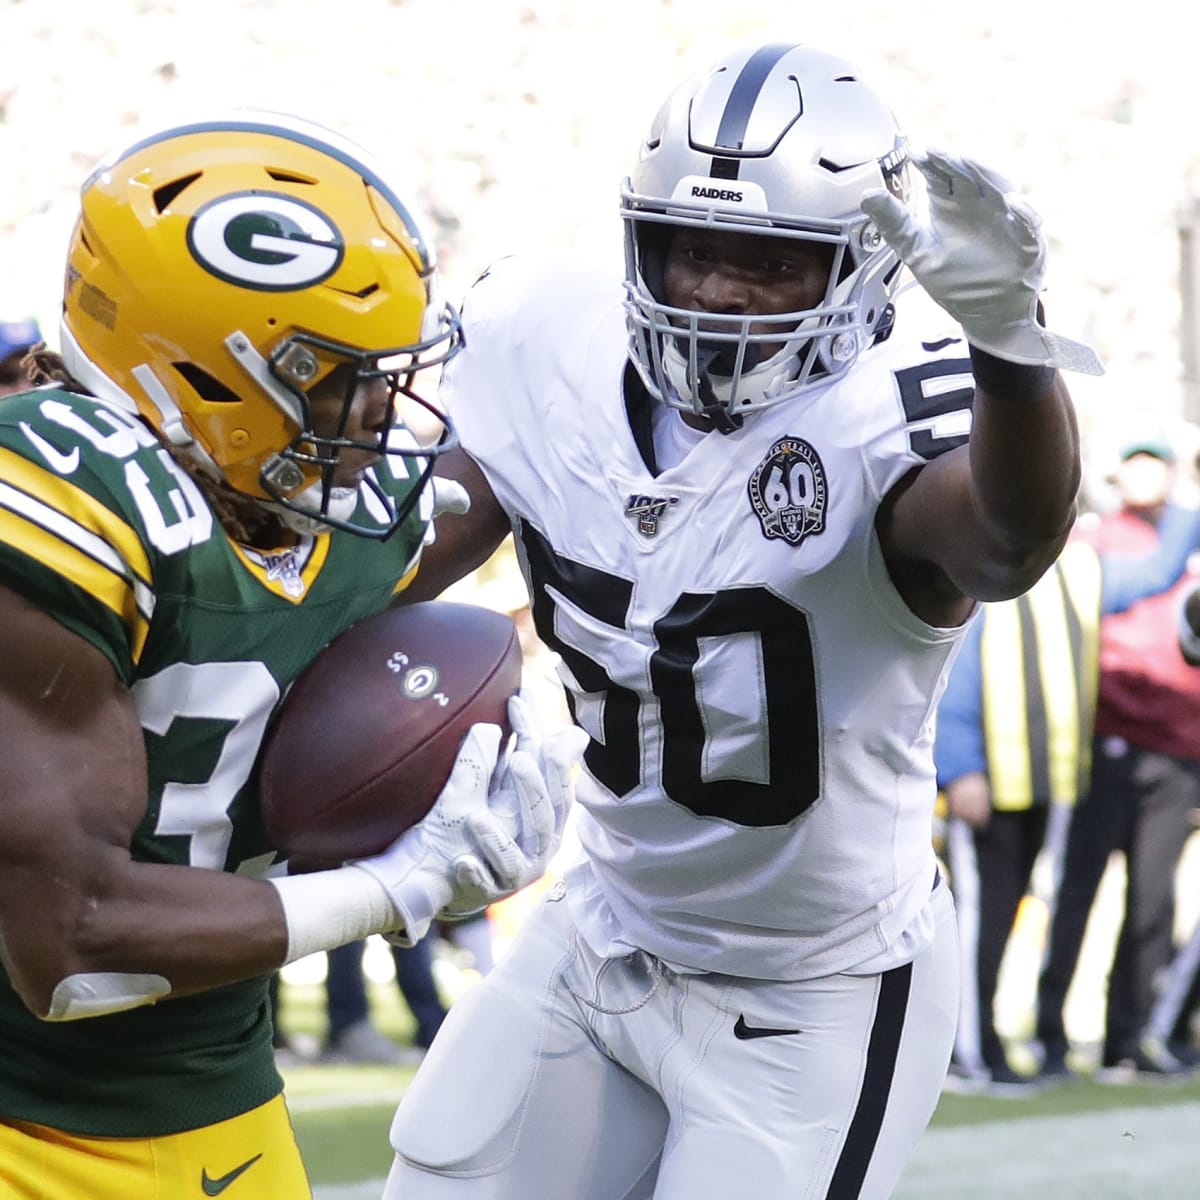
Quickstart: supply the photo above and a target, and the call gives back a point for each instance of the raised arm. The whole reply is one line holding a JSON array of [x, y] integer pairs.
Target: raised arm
[[983, 522]]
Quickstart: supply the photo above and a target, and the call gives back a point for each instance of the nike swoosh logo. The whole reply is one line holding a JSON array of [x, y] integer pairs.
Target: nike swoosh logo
[[64, 464], [214, 1187], [744, 1032]]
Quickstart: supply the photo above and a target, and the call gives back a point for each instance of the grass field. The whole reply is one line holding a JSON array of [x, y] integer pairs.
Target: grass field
[[1077, 1141], [1083, 1141]]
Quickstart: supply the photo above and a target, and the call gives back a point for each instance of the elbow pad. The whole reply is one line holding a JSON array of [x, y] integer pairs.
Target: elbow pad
[[98, 993]]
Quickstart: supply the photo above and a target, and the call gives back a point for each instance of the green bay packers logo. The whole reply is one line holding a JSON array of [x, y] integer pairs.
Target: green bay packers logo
[[266, 242], [419, 682]]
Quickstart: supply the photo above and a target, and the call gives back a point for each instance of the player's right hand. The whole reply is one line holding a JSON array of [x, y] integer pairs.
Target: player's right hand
[[491, 831], [529, 799], [460, 843]]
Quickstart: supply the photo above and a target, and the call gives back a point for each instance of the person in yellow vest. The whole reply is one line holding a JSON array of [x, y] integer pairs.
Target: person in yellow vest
[[1013, 754]]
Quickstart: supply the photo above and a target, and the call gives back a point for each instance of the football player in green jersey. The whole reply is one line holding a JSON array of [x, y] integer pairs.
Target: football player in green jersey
[[210, 483]]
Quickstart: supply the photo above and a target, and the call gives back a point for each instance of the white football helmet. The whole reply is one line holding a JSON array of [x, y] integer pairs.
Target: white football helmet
[[780, 141]]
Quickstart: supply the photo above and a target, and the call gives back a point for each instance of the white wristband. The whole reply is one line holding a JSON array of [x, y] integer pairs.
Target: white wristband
[[328, 909]]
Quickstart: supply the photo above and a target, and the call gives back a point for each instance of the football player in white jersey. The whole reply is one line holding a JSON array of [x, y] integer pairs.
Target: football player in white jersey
[[755, 501]]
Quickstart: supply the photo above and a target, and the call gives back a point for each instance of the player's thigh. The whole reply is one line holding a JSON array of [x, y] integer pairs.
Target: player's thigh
[[256, 1150], [515, 1100], [829, 1112]]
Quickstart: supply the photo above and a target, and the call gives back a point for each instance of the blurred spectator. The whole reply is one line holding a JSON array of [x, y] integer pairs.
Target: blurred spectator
[[351, 1036], [16, 339], [1013, 754], [1171, 1020], [1145, 785]]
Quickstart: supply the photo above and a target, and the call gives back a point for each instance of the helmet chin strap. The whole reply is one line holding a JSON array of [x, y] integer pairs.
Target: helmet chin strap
[[722, 418], [342, 503]]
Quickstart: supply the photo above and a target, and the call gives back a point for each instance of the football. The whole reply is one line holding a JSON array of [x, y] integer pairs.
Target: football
[[367, 734]]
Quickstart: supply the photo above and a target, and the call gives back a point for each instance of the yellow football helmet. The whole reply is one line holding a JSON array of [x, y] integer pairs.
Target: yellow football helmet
[[220, 270]]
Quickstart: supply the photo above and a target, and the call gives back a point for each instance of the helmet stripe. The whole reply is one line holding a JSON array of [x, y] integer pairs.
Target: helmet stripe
[[731, 134]]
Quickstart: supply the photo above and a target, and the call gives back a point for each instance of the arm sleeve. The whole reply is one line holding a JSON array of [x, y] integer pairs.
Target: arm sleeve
[[959, 748], [1127, 578]]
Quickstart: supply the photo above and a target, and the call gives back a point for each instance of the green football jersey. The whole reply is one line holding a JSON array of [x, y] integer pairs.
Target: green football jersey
[[102, 529]]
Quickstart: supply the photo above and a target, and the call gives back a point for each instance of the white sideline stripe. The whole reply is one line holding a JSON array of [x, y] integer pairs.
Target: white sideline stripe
[[368, 1189], [356, 1099], [1121, 1154]]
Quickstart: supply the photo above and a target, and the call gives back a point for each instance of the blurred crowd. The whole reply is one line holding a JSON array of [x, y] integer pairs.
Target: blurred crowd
[[514, 121], [1068, 747]]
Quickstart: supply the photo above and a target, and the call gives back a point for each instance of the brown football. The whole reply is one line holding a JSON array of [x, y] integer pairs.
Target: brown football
[[367, 735]]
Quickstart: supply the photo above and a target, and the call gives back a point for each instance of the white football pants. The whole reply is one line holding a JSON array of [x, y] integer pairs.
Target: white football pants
[[562, 1076]]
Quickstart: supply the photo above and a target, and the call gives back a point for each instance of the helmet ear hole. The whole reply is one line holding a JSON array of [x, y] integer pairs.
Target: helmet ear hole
[[205, 385], [168, 191], [282, 176]]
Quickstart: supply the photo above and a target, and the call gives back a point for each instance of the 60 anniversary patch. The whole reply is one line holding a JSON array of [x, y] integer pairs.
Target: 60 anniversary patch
[[789, 492]]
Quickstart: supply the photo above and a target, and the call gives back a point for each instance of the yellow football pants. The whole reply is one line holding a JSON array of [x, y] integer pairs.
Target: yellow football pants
[[251, 1157]]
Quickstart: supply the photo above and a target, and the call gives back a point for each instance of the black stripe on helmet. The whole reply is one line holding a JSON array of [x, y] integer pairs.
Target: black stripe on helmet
[[731, 135]]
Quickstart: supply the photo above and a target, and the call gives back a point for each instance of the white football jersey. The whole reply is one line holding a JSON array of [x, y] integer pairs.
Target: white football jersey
[[759, 787]]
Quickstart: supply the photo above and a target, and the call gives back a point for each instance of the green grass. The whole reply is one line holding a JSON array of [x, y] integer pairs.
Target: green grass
[[342, 1113], [344, 1138], [348, 1141], [1064, 1099], [346, 1144]]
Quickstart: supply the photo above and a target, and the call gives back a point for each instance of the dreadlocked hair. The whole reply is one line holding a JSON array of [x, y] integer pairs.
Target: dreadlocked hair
[[46, 366], [242, 518]]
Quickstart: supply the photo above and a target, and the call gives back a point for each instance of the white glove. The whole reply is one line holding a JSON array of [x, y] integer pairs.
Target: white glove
[[982, 257], [449, 496], [532, 798], [556, 756], [484, 838]]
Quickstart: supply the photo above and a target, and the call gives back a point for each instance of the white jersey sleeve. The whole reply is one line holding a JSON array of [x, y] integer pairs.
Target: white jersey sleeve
[[759, 788]]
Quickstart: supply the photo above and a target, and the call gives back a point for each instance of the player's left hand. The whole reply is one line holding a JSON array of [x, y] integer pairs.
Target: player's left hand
[[982, 257], [528, 804]]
